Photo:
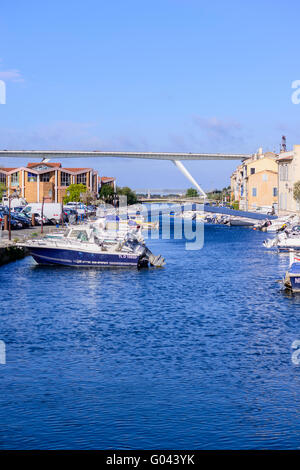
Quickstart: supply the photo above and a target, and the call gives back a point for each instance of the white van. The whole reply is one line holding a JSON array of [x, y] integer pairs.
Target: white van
[[14, 202], [51, 210]]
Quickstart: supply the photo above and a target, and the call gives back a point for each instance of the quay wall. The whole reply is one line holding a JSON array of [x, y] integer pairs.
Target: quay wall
[[11, 253]]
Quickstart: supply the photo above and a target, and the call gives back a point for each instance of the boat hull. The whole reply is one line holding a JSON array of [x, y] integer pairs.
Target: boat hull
[[287, 247], [241, 223], [64, 257], [294, 277], [295, 282]]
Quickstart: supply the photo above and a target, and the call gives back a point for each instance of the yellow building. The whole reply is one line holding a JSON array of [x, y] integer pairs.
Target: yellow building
[[255, 182], [262, 182], [289, 174], [262, 189]]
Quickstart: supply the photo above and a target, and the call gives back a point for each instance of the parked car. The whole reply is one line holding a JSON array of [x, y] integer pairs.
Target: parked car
[[22, 219], [17, 209], [79, 207], [14, 223], [71, 215], [38, 219]]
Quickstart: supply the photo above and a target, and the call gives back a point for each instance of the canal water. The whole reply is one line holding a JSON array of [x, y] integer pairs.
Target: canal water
[[196, 355]]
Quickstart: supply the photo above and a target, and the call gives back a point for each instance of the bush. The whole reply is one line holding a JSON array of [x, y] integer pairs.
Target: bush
[[296, 191], [191, 192], [131, 195], [75, 190]]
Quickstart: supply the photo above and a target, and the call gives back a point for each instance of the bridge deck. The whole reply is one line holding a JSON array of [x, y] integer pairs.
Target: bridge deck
[[100, 153]]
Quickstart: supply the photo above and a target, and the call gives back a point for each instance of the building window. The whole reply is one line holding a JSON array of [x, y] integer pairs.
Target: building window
[[14, 179], [45, 177], [265, 177], [254, 192], [65, 179], [31, 177], [2, 178], [275, 192], [81, 179], [283, 172], [252, 170], [41, 167]]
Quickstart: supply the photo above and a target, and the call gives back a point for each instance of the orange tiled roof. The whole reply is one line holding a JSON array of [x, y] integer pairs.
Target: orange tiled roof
[[51, 165], [104, 179], [8, 169], [76, 169]]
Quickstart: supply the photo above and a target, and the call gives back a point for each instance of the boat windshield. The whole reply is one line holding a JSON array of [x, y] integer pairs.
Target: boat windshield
[[79, 235]]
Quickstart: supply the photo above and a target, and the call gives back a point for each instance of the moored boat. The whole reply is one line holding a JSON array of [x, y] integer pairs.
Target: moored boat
[[292, 276], [240, 222], [83, 247]]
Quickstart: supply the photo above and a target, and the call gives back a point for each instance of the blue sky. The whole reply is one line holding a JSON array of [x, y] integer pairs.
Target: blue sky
[[159, 75]]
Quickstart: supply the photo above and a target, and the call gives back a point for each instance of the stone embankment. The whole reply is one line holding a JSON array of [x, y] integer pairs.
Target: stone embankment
[[9, 251]]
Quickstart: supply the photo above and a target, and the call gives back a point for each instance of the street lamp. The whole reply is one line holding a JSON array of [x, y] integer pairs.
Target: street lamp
[[42, 214], [82, 195], [62, 208], [10, 197]]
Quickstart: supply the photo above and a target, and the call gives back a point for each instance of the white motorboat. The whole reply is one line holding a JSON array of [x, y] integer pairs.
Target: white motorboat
[[84, 246]]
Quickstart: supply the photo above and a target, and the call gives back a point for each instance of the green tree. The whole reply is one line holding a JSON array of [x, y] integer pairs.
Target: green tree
[[191, 192], [215, 194], [131, 195], [296, 191], [106, 192], [2, 190], [75, 190]]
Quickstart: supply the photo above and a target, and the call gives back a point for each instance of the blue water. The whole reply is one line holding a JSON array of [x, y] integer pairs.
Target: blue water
[[193, 356]]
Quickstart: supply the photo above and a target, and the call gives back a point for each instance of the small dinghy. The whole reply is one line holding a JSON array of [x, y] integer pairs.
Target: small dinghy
[[239, 222]]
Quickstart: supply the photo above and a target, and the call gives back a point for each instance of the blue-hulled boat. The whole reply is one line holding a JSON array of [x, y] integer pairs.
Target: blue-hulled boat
[[292, 277], [83, 247]]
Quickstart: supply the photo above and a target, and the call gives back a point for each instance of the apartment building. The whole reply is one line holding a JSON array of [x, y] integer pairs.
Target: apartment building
[[288, 175], [255, 182], [47, 180]]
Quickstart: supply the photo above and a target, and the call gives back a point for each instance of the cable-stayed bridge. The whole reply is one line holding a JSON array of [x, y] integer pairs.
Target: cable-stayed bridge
[[175, 157]]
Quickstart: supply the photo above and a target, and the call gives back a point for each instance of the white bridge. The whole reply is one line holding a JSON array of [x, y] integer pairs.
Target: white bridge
[[174, 157], [176, 191]]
